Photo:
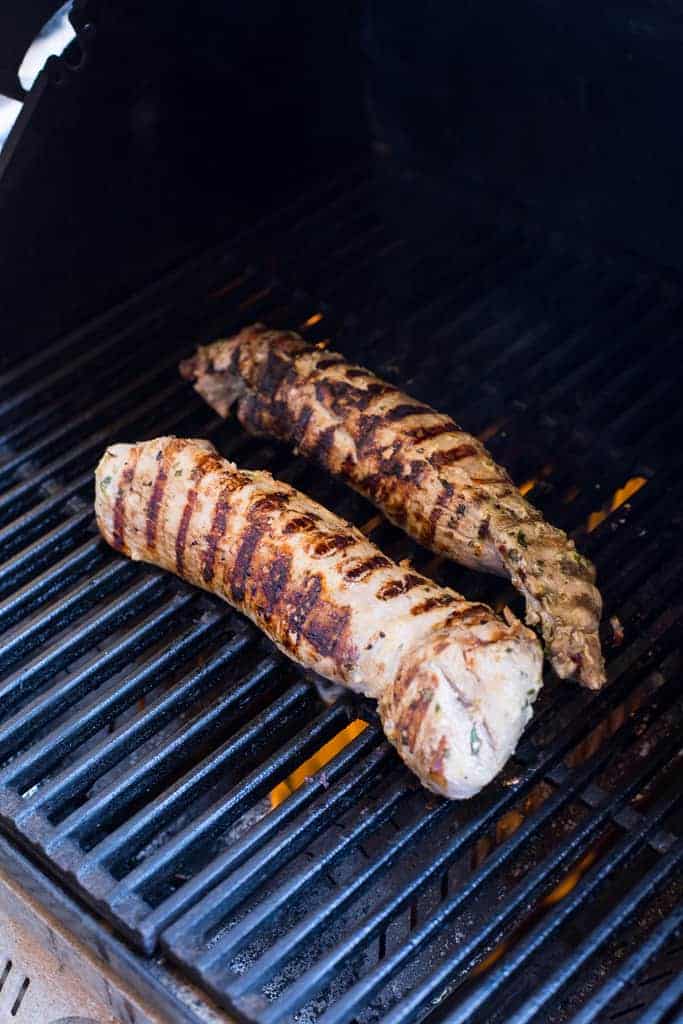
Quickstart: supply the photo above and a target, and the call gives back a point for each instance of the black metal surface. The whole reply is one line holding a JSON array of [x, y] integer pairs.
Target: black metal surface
[[143, 725]]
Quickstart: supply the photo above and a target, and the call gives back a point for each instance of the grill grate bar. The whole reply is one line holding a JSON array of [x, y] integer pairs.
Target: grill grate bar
[[510, 263], [320, 812], [323, 970], [325, 809], [67, 492], [254, 685], [363, 991], [588, 886], [625, 974], [641, 320], [597, 298], [94, 443], [414, 1005], [42, 513], [185, 939], [291, 755], [19, 728], [63, 373], [85, 723], [152, 818], [628, 818], [268, 908], [110, 751], [623, 911], [468, 331], [40, 587], [60, 612], [665, 1002], [56, 655], [114, 401], [647, 409], [52, 541], [20, 433]]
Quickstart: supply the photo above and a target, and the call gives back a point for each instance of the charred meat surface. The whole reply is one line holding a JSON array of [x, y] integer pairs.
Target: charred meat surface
[[455, 684], [426, 474]]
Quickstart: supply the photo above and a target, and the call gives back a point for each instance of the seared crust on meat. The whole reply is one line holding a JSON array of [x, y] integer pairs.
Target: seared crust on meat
[[454, 682], [426, 474]]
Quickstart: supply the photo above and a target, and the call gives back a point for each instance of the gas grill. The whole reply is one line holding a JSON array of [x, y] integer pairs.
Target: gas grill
[[169, 828]]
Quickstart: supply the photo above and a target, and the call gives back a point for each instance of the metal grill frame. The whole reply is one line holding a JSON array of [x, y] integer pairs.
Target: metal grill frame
[[178, 923]]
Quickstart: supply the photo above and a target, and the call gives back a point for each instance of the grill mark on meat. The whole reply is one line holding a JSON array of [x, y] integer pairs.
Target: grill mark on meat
[[437, 767], [235, 360], [204, 464], [402, 412], [417, 471], [429, 433], [234, 482], [302, 422], [323, 445], [274, 582], [367, 425], [119, 514], [329, 361], [249, 412], [335, 542], [250, 538], [447, 458], [357, 371], [270, 503], [393, 588], [339, 395], [302, 603], [440, 507], [181, 537], [430, 603], [300, 524], [218, 525], [470, 615], [326, 629], [273, 371], [434, 517], [412, 716], [366, 567], [157, 495]]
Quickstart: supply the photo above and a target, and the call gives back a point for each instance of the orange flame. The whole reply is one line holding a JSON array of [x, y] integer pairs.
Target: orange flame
[[561, 890], [321, 757], [619, 498], [529, 484], [312, 320]]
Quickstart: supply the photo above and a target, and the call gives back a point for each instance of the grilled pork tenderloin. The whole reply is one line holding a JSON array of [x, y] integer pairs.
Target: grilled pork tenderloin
[[455, 684], [426, 474]]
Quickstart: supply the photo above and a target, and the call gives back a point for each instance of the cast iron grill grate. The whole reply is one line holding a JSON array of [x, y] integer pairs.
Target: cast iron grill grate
[[143, 725]]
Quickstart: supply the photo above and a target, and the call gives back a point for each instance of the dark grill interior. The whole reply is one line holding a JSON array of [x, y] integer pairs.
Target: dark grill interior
[[143, 725]]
